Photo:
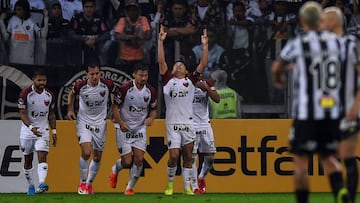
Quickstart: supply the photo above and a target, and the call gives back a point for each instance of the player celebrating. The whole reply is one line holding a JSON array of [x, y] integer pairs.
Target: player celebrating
[[135, 100], [332, 20], [36, 105], [204, 141], [94, 94], [179, 89]]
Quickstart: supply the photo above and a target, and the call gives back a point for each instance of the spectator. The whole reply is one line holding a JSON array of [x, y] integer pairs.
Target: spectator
[[22, 31], [57, 37], [132, 31], [217, 58], [3, 34], [70, 8], [238, 36], [230, 101], [179, 27], [89, 30], [34, 4], [207, 14], [354, 25]]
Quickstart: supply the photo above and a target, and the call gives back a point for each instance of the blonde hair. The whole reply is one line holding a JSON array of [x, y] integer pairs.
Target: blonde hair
[[337, 13], [310, 12]]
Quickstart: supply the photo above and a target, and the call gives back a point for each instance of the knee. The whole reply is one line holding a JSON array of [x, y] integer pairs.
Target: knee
[[126, 163]]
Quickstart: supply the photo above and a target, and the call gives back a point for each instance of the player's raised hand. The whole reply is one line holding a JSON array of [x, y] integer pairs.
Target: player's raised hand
[[162, 33], [204, 37]]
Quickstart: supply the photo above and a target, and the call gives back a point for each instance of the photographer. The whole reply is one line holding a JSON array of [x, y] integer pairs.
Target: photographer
[[131, 31]]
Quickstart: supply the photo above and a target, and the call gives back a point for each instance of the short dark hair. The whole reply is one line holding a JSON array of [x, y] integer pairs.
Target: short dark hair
[[92, 66], [25, 5], [140, 66], [39, 71], [86, 1]]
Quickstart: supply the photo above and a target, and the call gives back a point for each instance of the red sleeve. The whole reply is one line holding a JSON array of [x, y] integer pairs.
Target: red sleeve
[[166, 77], [153, 101], [22, 101], [77, 86], [122, 91], [110, 84], [194, 79], [53, 99]]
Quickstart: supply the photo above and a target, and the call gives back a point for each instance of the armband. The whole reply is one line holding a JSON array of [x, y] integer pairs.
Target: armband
[[53, 131], [30, 127]]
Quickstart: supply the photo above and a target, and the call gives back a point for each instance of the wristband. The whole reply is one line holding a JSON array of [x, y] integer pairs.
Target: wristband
[[30, 127], [53, 131]]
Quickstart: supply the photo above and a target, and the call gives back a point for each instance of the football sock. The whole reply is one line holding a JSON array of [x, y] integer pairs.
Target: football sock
[[206, 166], [171, 173], [42, 171], [116, 168], [84, 167], [29, 175], [187, 174], [302, 195], [134, 176], [336, 182], [93, 169], [352, 176], [194, 183]]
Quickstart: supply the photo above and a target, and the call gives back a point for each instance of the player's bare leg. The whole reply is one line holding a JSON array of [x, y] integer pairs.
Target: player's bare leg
[[124, 162], [301, 178], [135, 171]]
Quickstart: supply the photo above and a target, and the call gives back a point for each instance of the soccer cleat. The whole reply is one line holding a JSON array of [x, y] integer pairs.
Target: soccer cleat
[[169, 188], [343, 196], [198, 191], [82, 189], [113, 179], [31, 190], [188, 191], [89, 189], [129, 192], [43, 187], [202, 185]]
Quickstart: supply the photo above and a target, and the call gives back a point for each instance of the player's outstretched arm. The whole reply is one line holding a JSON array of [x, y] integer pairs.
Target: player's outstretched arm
[[204, 57], [70, 112], [161, 54]]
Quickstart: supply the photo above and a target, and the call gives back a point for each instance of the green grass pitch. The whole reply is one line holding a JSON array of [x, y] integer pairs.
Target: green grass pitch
[[160, 198]]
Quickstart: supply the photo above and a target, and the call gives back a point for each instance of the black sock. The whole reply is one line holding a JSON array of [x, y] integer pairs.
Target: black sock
[[352, 176], [302, 195], [336, 182]]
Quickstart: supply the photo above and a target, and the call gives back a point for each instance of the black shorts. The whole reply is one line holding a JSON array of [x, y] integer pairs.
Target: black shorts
[[314, 136], [349, 130]]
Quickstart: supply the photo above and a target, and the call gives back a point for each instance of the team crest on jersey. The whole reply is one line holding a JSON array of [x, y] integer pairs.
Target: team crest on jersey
[[146, 99], [46, 102], [27, 27], [102, 93], [22, 149], [186, 84]]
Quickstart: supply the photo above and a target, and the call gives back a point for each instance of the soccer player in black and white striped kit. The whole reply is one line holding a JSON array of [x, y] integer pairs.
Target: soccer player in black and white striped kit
[[333, 20], [315, 59]]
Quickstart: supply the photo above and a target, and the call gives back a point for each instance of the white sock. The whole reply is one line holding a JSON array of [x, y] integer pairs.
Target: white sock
[[194, 183], [187, 174], [206, 166], [29, 175], [93, 169], [84, 167], [116, 168], [42, 172], [134, 176], [171, 171]]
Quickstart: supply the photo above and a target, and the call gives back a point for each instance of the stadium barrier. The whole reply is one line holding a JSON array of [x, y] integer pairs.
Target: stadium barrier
[[252, 157]]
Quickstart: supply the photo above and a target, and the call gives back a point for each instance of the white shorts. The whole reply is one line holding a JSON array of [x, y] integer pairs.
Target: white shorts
[[28, 146], [179, 135], [125, 141], [95, 134], [204, 141]]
